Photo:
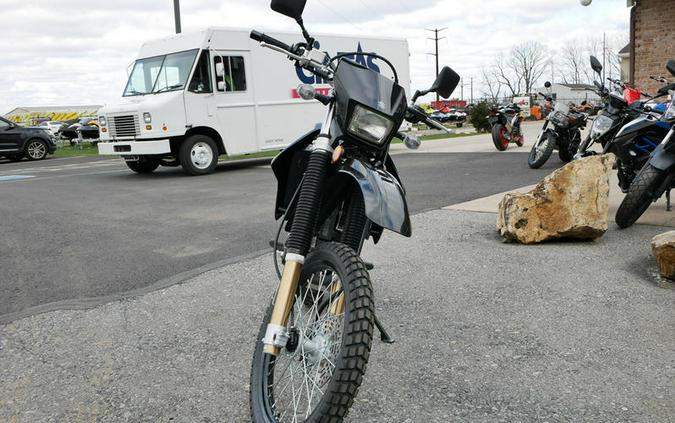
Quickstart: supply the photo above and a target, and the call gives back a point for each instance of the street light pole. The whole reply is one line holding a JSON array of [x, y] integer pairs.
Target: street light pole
[[176, 14]]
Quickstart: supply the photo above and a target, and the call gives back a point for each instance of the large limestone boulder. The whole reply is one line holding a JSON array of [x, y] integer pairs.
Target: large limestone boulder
[[572, 202], [663, 247]]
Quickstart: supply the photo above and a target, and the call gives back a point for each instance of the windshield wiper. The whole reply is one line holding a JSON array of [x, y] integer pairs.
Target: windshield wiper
[[170, 87], [134, 92]]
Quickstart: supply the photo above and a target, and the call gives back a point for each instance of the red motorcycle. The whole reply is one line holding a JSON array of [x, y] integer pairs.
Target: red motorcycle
[[505, 122]]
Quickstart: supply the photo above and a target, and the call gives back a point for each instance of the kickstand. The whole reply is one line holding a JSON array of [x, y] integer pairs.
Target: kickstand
[[384, 336], [668, 205]]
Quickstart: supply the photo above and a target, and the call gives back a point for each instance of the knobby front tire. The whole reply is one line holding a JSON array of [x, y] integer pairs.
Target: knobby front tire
[[317, 376]]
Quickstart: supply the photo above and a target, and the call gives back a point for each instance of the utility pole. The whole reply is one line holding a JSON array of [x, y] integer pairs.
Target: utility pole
[[604, 53], [471, 90], [461, 86], [436, 40], [176, 15]]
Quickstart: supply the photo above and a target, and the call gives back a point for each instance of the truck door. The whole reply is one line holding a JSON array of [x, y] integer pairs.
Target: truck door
[[199, 97], [234, 103]]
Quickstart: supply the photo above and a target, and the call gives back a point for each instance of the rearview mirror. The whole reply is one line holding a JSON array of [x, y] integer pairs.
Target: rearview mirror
[[596, 65], [445, 83], [671, 66], [547, 84], [291, 8]]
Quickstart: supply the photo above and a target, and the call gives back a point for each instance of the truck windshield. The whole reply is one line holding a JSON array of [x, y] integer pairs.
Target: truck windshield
[[160, 73]]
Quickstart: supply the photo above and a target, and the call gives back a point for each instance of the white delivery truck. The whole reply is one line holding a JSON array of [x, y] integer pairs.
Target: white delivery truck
[[193, 97]]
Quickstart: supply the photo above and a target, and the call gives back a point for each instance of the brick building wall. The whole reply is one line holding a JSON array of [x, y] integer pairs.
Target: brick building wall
[[654, 26]]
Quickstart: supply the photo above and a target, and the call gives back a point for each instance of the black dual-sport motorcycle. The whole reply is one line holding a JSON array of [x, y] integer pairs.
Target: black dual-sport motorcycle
[[337, 186]]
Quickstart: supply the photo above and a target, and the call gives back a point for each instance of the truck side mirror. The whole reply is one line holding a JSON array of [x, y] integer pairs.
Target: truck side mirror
[[220, 70]]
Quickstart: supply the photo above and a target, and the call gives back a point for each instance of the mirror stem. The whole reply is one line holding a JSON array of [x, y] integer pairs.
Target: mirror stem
[[308, 38]]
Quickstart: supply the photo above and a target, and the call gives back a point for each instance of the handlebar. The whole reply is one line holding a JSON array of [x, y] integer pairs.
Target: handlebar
[[262, 38]]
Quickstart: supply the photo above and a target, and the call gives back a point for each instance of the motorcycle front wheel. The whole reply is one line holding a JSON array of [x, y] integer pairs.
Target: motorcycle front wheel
[[317, 375], [541, 150], [639, 197]]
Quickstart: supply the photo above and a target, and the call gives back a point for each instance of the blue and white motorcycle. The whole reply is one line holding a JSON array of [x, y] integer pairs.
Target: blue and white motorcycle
[[657, 176]]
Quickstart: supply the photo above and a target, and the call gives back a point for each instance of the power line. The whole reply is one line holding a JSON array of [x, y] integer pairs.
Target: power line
[[340, 15], [436, 40]]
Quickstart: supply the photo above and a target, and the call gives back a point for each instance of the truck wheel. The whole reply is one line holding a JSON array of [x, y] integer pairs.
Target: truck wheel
[[198, 155], [143, 165]]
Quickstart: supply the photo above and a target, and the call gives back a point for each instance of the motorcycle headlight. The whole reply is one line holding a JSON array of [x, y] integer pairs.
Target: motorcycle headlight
[[370, 126], [102, 121], [147, 117], [601, 125]]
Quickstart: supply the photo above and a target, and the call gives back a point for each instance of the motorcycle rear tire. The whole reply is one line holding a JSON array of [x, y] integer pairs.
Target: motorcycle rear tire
[[534, 161], [497, 137], [640, 196]]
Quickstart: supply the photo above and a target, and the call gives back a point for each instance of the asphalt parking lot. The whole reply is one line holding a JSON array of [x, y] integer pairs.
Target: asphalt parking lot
[[485, 332], [82, 231]]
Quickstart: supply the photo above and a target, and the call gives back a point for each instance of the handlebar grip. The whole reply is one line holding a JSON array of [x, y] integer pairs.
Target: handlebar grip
[[262, 38]]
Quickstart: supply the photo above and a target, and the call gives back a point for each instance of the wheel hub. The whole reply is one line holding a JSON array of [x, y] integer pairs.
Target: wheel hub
[[201, 155]]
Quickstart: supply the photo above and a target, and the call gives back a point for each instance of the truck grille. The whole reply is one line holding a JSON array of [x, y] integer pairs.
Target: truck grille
[[124, 126]]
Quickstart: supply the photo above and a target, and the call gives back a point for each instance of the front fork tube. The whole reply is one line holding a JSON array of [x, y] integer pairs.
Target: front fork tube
[[276, 334], [300, 238]]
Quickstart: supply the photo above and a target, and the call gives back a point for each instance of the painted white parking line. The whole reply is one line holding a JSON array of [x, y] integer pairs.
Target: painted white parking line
[[15, 177]]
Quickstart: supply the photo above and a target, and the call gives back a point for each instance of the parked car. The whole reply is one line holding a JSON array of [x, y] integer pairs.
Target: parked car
[[52, 126], [17, 142], [81, 128], [440, 116]]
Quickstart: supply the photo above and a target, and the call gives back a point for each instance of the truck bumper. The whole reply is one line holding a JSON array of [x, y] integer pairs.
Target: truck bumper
[[134, 148]]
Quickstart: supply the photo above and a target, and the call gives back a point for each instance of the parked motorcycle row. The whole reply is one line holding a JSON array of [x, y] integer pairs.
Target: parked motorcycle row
[[639, 132]]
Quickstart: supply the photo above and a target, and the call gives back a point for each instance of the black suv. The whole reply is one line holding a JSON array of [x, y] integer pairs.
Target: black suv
[[17, 142]]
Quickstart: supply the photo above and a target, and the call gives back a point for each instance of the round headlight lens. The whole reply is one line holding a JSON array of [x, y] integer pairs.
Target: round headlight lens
[[102, 121], [147, 117]]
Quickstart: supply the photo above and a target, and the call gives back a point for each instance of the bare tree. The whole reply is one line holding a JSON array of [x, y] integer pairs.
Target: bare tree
[[573, 63], [529, 61], [507, 75], [491, 83]]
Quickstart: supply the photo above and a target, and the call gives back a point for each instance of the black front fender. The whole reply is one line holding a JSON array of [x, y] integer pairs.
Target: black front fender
[[383, 195], [662, 159]]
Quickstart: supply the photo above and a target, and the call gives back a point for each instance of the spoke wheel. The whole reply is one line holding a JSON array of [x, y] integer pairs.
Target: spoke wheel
[[316, 377], [36, 150]]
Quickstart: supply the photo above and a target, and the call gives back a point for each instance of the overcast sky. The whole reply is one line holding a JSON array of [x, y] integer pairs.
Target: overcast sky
[[70, 52]]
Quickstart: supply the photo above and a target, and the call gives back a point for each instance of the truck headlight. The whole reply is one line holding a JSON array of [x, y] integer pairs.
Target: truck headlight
[[102, 121], [370, 126], [147, 117]]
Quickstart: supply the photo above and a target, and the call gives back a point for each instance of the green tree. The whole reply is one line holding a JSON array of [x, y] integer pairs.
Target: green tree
[[479, 117]]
